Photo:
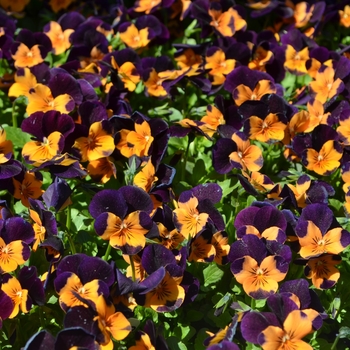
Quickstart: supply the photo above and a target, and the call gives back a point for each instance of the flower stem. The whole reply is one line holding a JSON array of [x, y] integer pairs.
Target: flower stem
[[108, 251], [252, 304], [14, 118], [132, 268], [68, 227], [334, 345]]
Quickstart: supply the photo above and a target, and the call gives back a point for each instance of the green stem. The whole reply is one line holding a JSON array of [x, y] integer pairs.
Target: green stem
[[132, 268], [14, 119], [108, 251], [334, 345], [252, 304], [183, 170], [68, 226]]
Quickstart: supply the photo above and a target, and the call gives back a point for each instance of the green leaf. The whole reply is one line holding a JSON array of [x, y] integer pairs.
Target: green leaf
[[344, 332], [17, 136], [184, 332], [212, 274], [175, 344]]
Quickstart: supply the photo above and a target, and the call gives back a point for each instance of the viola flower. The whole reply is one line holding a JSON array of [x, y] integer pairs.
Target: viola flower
[[319, 233], [265, 222], [245, 84], [317, 114], [19, 296], [188, 219], [218, 64], [59, 38], [227, 23], [136, 142], [326, 160], [148, 6], [296, 60], [296, 326], [58, 5], [170, 239], [30, 49], [344, 130], [325, 86], [133, 37], [189, 58], [260, 58], [220, 243], [27, 185], [253, 267], [212, 120], [201, 249], [44, 223], [143, 342], [345, 16], [269, 129], [98, 144], [125, 227], [40, 98], [300, 190], [256, 182], [82, 277], [101, 170], [168, 295], [146, 178], [127, 73], [14, 6], [322, 272], [25, 81]]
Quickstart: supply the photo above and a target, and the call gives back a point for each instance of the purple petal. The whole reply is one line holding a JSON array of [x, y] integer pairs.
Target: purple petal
[[16, 228], [155, 256], [40, 341], [136, 199], [76, 337]]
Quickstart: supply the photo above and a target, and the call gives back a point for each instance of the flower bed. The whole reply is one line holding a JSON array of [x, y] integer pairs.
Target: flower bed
[[174, 174]]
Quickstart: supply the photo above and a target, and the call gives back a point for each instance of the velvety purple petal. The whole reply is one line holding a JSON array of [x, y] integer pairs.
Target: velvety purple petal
[[152, 281], [16, 228], [300, 288], [249, 245], [155, 256], [108, 201], [75, 337], [224, 345], [246, 217], [42, 340], [221, 154], [253, 323], [55, 121], [281, 305], [9, 170], [136, 199], [57, 194], [319, 214], [29, 280], [206, 206], [6, 306], [92, 111], [61, 280], [63, 83]]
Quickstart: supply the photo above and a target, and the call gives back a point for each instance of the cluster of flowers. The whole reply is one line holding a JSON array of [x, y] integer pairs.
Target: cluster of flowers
[[83, 126]]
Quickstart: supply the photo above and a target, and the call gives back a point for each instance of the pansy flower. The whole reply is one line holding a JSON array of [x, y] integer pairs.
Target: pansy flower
[[219, 241], [326, 86], [25, 81], [319, 233], [260, 58], [227, 23], [14, 6], [296, 60], [59, 38], [30, 48], [98, 143], [57, 5], [127, 221], [218, 64], [201, 249], [344, 15], [101, 320], [212, 120], [133, 37], [169, 294], [15, 236], [322, 271], [82, 277], [255, 268], [324, 154], [265, 222], [195, 209]]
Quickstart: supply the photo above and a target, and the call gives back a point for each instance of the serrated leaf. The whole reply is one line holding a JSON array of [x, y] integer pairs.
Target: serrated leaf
[[212, 274]]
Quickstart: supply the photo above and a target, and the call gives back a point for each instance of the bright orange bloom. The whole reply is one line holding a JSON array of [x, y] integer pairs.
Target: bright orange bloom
[[101, 170], [40, 99], [59, 39], [11, 255], [260, 58], [6, 147], [146, 6], [25, 81], [325, 87], [243, 93], [135, 38], [170, 240], [324, 162], [98, 144], [18, 295], [212, 120], [127, 74], [295, 61], [270, 129], [58, 5], [188, 218], [27, 57], [201, 250], [345, 16], [30, 187], [228, 22], [146, 177], [14, 5]]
